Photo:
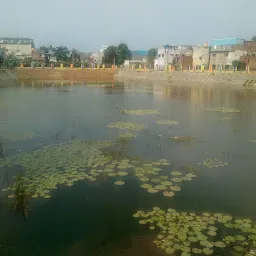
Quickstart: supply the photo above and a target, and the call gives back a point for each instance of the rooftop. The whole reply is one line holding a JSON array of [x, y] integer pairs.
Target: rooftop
[[139, 52], [16, 40]]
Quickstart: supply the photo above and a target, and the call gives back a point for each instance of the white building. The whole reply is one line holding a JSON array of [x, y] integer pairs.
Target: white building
[[20, 47], [167, 55]]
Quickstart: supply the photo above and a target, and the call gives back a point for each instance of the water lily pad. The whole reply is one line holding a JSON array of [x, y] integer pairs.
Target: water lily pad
[[169, 250], [220, 244], [152, 190], [176, 180], [122, 173], [196, 250], [239, 238], [119, 183], [166, 183], [175, 188], [238, 248], [160, 187], [175, 173], [146, 186], [230, 239], [212, 233], [168, 193], [207, 251]]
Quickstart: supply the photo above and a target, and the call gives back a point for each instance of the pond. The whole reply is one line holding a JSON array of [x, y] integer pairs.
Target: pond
[[127, 169]]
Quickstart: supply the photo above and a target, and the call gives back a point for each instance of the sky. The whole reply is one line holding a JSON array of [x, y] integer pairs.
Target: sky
[[87, 25]]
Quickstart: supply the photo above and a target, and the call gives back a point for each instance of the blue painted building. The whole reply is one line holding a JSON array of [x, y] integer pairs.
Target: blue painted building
[[227, 41], [141, 53]]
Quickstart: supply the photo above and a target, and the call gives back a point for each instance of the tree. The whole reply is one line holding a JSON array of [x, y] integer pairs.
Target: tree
[[152, 53], [61, 53], [254, 38], [46, 50], [12, 61], [117, 54], [1, 60], [110, 55], [239, 64], [123, 53]]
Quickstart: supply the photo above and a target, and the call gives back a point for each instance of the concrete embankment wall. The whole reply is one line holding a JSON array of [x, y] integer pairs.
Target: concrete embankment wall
[[8, 74], [86, 75], [240, 79]]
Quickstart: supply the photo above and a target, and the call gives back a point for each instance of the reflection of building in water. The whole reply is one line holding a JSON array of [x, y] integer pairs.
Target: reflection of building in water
[[201, 95]]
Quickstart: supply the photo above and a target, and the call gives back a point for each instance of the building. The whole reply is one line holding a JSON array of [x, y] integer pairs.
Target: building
[[179, 56], [38, 58], [225, 51], [250, 58], [20, 47], [201, 57], [139, 55], [227, 41]]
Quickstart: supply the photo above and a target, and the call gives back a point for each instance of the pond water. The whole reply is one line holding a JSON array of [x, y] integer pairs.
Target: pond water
[[195, 148]]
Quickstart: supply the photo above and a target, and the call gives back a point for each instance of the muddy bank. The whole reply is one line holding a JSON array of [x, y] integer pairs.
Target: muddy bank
[[190, 78]]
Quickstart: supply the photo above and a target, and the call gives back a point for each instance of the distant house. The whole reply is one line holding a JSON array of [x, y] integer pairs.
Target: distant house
[[20, 47], [201, 56], [38, 58], [138, 57], [179, 55], [225, 51]]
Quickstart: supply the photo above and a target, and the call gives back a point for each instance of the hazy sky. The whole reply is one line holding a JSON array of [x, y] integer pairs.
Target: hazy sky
[[89, 24]]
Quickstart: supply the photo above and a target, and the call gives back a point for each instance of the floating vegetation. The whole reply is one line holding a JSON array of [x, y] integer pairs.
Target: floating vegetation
[[182, 138], [140, 112], [63, 164], [168, 122], [127, 135], [160, 182], [127, 125], [18, 136], [168, 193], [119, 183], [213, 163], [182, 233], [223, 110]]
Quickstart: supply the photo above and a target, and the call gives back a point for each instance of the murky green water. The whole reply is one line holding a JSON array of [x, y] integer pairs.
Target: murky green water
[[95, 217]]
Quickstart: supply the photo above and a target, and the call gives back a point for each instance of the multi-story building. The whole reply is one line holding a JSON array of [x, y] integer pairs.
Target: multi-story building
[[173, 55], [20, 47], [225, 51], [201, 57]]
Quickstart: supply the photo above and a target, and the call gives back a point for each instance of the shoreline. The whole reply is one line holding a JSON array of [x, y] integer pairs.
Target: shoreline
[[185, 78]]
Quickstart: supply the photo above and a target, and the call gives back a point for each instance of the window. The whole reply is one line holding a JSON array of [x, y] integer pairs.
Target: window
[[162, 55], [200, 58], [159, 55]]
